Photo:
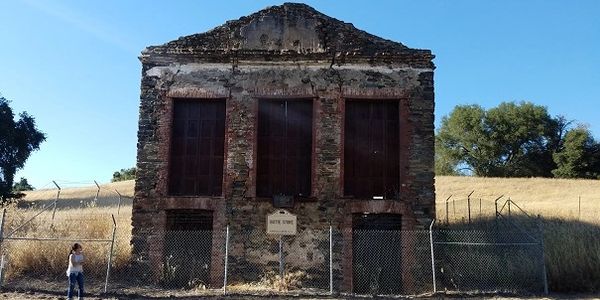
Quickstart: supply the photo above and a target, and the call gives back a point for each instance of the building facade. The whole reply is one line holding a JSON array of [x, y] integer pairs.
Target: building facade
[[288, 108]]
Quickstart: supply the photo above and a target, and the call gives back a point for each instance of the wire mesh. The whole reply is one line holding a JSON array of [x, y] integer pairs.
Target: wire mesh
[[502, 256], [391, 262], [488, 261], [258, 261]]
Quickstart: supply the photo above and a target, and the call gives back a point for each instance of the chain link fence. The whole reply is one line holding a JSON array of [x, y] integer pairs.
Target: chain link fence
[[35, 249], [488, 261], [492, 258]]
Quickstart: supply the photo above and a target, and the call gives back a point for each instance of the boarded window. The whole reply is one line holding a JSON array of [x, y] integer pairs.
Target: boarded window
[[197, 148], [371, 149], [284, 148]]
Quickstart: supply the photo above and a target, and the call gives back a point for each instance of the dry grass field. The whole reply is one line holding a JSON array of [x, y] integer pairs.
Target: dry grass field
[[551, 198], [572, 239], [548, 197]]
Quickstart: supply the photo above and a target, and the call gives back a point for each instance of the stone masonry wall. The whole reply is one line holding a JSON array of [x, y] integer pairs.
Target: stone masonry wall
[[241, 84]]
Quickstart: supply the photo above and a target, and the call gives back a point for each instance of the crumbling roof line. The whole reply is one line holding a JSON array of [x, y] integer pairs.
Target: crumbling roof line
[[293, 30]]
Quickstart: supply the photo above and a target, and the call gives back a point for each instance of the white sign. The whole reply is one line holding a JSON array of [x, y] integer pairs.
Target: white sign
[[281, 222]]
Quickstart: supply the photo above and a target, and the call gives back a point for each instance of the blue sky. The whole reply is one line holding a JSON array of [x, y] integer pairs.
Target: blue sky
[[73, 64]]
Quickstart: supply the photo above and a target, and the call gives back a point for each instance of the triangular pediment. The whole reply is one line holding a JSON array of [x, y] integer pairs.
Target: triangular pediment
[[287, 28]]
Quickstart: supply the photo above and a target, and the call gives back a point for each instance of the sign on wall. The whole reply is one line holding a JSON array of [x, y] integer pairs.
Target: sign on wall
[[281, 222]]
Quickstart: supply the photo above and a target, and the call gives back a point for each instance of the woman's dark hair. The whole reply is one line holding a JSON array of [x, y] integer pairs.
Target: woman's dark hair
[[74, 247]]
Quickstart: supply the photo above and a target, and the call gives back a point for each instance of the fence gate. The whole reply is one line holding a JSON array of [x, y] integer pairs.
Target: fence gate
[[376, 254]]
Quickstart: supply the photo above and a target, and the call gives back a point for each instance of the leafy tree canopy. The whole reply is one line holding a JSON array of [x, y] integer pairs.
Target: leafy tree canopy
[[124, 174], [18, 139], [579, 156], [510, 140]]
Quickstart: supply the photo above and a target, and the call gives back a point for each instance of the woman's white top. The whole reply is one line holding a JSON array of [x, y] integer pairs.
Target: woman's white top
[[75, 269]]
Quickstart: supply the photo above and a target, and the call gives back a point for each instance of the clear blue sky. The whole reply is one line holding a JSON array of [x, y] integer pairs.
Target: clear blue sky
[[73, 64]]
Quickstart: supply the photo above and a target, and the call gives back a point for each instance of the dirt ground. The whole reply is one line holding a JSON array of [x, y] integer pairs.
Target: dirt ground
[[48, 289], [47, 295]]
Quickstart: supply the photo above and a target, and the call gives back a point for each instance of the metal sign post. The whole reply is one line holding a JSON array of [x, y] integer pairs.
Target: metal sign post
[[281, 222]]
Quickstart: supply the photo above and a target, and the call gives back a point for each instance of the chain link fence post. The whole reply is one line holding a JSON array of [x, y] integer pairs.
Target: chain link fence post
[[1, 248], [110, 254], [119, 205], [226, 260], [432, 255], [330, 260], [55, 202], [543, 255]]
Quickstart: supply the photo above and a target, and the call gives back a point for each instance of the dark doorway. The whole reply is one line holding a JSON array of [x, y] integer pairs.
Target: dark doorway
[[284, 147], [197, 147], [371, 149], [188, 245], [377, 254]]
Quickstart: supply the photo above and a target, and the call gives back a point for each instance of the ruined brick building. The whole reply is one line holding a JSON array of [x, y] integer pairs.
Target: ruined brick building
[[284, 102]]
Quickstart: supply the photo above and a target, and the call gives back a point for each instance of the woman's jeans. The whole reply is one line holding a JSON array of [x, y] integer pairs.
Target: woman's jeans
[[75, 278]]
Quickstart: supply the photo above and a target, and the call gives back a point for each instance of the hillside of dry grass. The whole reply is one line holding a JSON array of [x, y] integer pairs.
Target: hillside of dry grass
[[545, 196], [84, 196]]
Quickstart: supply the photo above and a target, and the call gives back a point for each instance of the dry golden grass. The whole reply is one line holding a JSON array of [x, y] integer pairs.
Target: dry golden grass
[[271, 281], [49, 258], [551, 198], [124, 187], [548, 197]]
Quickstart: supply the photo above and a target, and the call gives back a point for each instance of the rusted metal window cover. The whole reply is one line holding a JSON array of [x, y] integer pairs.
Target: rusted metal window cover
[[371, 149], [189, 219], [284, 147], [197, 148]]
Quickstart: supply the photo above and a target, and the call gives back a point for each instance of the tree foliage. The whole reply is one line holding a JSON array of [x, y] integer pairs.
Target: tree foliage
[[18, 139], [579, 156], [22, 185], [124, 174], [511, 140]]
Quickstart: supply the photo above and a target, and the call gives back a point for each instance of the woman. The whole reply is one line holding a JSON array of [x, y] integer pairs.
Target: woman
[[75, 271]]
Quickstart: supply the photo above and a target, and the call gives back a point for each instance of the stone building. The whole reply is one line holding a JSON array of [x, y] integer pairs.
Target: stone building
[[284, 104]]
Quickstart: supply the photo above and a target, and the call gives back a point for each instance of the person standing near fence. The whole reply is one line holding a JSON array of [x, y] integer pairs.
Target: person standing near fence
[[75, 271]]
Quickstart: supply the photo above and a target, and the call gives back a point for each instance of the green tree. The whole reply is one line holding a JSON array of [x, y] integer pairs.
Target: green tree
[[124, 174], [579, 156], [510, 140], [22, 185], [18, 139], [445, 164]]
